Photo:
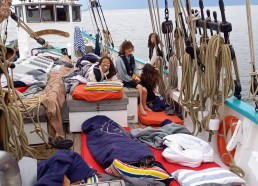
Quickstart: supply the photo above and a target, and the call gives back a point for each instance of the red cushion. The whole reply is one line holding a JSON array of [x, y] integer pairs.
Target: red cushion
[[156, 118], [85, 153], [80, 93]]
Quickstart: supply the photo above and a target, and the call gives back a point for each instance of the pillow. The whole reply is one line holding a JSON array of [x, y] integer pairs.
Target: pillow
[[118, 168], [207, 177]]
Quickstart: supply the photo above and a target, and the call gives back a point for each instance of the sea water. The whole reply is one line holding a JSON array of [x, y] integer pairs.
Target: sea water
[[135, 25]]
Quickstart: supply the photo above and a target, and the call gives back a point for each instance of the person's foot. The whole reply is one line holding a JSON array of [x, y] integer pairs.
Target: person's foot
[[142, 111], [147, 109], [61, 143]]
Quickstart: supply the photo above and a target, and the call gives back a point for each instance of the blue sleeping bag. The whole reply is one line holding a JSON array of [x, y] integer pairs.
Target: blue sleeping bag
[[107, 141]]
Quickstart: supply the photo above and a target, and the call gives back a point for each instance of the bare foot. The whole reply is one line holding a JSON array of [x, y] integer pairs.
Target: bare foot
[[142, 111], [147, 109]]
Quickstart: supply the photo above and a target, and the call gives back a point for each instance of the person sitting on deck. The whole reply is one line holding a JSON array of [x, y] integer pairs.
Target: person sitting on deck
[[154, 50], [149, 80], [128, 72], [104, 71]]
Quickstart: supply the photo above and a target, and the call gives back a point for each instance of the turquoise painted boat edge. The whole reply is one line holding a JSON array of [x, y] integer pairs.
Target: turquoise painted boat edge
[[241, 107]]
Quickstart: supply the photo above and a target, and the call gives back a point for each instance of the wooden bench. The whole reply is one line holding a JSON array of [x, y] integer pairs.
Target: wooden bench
[[132, 107]]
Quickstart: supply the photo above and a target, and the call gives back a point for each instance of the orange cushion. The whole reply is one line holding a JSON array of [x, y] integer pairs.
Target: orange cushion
[[80, 93], [155, 118], [171, 167]]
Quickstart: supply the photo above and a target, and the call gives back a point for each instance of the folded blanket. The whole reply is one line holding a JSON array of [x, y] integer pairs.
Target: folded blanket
[[154, 136], [103, 88], [111, 83]]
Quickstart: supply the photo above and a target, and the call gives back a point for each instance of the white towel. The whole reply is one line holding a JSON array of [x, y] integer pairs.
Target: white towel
[[187, 150]]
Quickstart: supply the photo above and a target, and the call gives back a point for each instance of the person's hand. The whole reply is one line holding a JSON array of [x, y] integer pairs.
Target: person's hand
[[137, 79], [156, 68]]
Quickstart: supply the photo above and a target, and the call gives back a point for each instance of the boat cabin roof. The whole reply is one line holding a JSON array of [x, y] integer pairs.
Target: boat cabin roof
[[30, 2]]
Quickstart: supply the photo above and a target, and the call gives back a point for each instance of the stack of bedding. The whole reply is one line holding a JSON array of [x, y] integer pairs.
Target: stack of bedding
[[107, 86], [172, 173]]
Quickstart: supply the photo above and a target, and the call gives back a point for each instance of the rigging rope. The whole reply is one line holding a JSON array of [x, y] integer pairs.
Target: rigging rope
[[12, 129], [12, 126], [254, 73], [27, 106], [159, 61], [95, 19], [91, 19], [216, 84], [110, 40]]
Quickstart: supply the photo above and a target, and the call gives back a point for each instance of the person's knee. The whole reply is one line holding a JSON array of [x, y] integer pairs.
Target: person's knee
[[144, 90], [139, 87]]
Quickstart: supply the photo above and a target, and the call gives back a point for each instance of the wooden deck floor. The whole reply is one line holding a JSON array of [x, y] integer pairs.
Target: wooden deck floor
[[76, 137]]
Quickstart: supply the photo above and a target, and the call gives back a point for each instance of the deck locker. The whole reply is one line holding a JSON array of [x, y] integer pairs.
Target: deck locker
[[81, 110]]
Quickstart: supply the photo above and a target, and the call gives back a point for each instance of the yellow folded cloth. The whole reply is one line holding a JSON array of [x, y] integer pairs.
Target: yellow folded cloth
[[92, 88]]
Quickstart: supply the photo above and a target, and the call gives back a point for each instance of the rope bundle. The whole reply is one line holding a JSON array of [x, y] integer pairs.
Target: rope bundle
[[12, 130]]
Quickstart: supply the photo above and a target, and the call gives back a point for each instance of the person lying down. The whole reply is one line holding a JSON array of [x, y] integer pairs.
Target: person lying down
[[105, 70]]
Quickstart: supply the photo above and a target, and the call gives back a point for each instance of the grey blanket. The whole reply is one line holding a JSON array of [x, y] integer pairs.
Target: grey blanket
[[154, 136], [41, 78], [70, 83]]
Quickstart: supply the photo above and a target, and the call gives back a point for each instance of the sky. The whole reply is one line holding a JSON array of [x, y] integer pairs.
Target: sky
[[139, 4]]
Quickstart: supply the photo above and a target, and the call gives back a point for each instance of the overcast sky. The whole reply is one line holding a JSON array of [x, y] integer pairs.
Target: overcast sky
[[136, 4]]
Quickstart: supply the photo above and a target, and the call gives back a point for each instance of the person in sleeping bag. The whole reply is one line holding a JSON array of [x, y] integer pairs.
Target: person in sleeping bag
[[150, 77], [127, 71], [104, 71]]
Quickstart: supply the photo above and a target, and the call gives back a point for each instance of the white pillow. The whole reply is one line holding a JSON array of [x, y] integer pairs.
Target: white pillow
[[207, 177]]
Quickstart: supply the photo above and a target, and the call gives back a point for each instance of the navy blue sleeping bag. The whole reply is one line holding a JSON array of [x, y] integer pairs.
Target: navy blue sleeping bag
[[107, 141]]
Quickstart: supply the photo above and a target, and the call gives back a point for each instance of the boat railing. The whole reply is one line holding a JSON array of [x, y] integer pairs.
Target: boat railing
[[240, 106], [139, 61]]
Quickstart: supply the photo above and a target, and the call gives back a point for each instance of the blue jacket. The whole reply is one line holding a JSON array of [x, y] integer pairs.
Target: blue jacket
[[63, 162], [122, 71]]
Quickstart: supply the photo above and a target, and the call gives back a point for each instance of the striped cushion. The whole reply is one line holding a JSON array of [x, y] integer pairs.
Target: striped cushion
[[93, 179], [207, 177], [118, 168]]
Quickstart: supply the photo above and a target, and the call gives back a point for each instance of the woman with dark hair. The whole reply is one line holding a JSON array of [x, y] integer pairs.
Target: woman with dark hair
[[154, 50], [104, 71], [149, 80], [127, 70]]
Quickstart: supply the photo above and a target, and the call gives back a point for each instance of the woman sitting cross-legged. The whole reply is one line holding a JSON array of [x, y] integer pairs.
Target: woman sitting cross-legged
[[128, 72], [104, 71]]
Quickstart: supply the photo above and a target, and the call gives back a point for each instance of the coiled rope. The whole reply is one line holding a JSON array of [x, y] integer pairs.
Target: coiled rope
[[14, 138]]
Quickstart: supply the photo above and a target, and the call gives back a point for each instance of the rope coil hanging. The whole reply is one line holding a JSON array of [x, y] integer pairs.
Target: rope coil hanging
[[12, 129]]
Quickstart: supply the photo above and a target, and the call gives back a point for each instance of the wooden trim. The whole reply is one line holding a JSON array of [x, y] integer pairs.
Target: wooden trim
[[50, 31]]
